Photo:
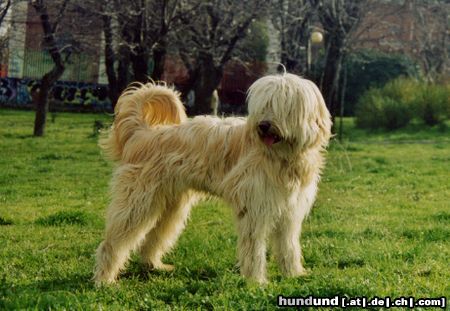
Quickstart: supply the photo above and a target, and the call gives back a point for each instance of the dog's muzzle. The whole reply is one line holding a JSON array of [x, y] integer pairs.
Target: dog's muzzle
[[268, 133]]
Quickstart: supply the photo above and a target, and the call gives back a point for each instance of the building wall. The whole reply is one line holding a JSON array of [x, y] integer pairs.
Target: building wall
[[408, 27], [17, 34]]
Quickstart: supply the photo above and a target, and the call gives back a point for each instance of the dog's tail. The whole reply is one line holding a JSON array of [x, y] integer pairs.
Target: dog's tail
[[141, 106]]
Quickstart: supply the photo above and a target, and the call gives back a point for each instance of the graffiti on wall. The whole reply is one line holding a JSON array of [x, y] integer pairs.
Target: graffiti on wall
[[65, 95]]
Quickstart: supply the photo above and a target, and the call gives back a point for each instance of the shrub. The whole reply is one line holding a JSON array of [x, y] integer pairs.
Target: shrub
[[377, 110], [396, 103], [402, 90], [369, 111], [433, 104], [396, 114]]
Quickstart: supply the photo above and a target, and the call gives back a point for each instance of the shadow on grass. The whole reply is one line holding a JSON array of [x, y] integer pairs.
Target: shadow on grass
[[65, 218], [5, 222], [79, 283], [48, 294], [18, 136], [71, 283], [142, 272]]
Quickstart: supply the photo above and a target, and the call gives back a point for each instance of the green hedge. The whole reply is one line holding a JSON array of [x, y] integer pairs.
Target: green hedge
[[401, 100], [380, 111]]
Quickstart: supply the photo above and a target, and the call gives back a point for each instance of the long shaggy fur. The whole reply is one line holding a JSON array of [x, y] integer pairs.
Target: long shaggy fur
[[266, 167]]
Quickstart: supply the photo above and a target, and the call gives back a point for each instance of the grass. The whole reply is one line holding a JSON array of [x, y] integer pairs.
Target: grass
[[380, 226]]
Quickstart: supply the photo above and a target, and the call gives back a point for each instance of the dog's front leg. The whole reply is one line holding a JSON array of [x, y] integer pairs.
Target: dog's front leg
[[286, 244], [286, 236], [252, 248]]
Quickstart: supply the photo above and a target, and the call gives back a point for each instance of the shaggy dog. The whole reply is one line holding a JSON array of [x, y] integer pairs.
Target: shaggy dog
[[266, 167]]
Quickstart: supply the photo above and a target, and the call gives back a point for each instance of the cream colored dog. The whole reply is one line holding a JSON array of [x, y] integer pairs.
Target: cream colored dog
[[266, 167]]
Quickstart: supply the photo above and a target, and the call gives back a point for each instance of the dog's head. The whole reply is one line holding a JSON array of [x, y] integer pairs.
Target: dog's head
[[287, 112]]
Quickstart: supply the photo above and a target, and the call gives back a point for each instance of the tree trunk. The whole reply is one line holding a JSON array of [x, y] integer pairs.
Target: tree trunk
[[159, 57], [123, 57], [330, 78], [123, 74], [139, 61], [343, 89], [42, 103], [113, 92], [140, 51], [186, 87], [208, 79]]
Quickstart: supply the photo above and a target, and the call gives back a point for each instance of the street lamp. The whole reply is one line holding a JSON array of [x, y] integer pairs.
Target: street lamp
[[316, 37]]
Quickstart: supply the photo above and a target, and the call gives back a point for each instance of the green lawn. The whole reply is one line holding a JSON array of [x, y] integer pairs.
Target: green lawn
[[380, 226]]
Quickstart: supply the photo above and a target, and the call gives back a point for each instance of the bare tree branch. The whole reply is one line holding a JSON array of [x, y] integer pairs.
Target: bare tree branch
[[4, 7], [59, 16], [212, 36]]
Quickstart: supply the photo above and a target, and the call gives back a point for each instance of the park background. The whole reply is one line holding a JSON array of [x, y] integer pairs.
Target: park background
[[380, 226]]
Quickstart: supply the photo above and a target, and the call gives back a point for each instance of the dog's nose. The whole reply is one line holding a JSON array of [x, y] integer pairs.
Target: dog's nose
[[264, 126]]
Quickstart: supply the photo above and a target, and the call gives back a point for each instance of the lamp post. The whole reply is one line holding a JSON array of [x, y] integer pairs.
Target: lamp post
[[316, 37]]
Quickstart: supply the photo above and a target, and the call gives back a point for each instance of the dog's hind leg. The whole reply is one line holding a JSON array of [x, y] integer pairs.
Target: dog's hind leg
[[126, 229], [132, 213], [165, 233]]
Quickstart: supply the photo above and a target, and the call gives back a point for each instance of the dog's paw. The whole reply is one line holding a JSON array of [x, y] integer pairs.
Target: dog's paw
[[297, 272], [302, 272], [100, 282], [164, 267], [252, 281], [255, 279], [161, 267], [293, 270]]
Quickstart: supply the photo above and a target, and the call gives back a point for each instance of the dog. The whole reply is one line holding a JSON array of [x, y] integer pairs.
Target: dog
[[266, 166]]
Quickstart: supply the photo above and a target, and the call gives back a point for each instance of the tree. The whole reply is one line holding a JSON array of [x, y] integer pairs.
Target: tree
[[136, 35], [67, 45], [58, 69], [293, 20], [4, 7], [209, 40], [339, 18], [118, 76], [254, 47], [431, 35]]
